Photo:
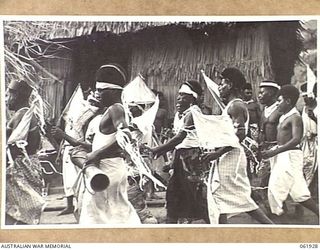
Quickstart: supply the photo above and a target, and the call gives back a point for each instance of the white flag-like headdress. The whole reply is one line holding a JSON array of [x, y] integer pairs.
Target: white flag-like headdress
[[145, 122], [137, 92], [205, 125], [72, 110], [214, 91]]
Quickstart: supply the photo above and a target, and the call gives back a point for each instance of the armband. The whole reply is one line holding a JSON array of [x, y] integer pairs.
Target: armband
[[240, 128], [237, 127]]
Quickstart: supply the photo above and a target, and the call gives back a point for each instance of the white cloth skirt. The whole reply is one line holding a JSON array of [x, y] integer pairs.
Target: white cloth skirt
[[110, 206], [69, 172], [287, 179]]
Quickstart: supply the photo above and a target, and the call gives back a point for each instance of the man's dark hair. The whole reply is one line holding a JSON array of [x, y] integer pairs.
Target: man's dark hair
[[194, 86], [111, 73], [235, 76], [290, 92], [247, 86]]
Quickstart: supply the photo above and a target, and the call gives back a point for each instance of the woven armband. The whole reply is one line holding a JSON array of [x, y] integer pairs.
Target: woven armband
[[237, 127]]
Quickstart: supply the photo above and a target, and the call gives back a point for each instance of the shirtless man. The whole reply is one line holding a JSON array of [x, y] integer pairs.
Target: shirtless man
[[268, 95], [233, 194], [112, 205], [18, 101], [287, 158], [24, 177], [267, 138]]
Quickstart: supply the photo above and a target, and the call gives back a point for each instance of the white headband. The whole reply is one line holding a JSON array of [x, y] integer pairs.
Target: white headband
[[187, 90], [106, 85], [269, 84]]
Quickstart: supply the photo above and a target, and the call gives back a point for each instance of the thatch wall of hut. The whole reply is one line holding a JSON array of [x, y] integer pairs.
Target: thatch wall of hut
[[57, 89], [167, 54], [170, 56]]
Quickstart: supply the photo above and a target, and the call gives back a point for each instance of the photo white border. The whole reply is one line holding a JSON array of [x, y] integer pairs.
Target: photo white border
[[57, 18]]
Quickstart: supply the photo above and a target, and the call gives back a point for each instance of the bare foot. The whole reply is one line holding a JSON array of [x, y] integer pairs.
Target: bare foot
[[150, 220], [67, 210]]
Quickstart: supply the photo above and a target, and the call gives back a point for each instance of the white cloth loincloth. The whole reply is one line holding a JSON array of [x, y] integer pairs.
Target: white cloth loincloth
[[112, 205], [69, 172], [287, 179], [233, 194]]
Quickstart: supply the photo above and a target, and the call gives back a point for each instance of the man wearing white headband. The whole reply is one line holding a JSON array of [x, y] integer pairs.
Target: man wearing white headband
[[184, 193], [110, 76], [186, 89], [112, 205], [268, 96], [189, 93], [271, 84]]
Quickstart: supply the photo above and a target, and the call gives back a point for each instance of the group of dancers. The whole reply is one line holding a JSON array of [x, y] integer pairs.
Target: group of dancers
[[105, 136]]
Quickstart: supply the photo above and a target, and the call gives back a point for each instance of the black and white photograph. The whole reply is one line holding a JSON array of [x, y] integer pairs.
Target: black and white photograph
[[159, 122]]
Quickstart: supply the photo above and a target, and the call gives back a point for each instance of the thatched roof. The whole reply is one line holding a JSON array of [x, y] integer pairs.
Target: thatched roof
[[76, 29], [50, 30]]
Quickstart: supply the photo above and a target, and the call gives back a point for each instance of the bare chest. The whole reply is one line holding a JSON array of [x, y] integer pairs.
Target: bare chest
[[284, 126], [106, 125], [273, 118]]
